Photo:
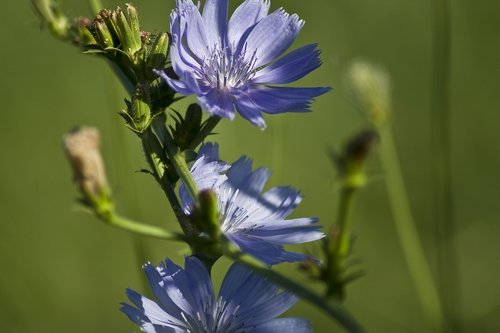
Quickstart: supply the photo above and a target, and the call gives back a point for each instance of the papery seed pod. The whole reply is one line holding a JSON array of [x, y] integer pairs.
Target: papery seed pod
[[82, 147]]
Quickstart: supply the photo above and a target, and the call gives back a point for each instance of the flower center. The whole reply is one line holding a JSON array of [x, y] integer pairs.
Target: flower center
[[224, 69]]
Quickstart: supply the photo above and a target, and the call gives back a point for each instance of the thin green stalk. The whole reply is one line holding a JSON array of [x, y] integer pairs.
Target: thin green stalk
[[96, 6], [332, 308], [143, 229], [157, 161], [176, 158], [413, 251], [339, 245], [442, 171]]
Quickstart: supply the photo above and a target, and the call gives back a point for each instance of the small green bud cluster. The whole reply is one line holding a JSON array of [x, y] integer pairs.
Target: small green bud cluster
[[117, 36]]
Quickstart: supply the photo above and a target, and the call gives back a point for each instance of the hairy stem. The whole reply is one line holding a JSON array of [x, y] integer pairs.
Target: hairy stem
[[339, 245], [176, 158], [157, 161]]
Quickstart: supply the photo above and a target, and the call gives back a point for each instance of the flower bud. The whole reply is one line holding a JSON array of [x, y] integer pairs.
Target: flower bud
[[83, 36], [138, 114], [206, 216], [103, 35], [158, 53], [82, 147], [130, 36]]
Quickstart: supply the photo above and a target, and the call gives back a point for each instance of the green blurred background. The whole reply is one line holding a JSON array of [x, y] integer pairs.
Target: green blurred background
[[64, 271]]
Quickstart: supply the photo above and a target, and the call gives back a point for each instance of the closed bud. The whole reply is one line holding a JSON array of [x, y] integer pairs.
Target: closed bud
[[82, 147], [158, 53], [130, 40], [353, 159], [138, 113], [102, 34], [83, 35], [206, 217]]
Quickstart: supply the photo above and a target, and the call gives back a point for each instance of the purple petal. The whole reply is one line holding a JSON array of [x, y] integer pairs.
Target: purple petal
[[156, 283], [272, 36], [282, 99], [250, 112], [287, 235], [244, 17], [196, 37], [151, 310], [266, 252], [177, 85], [291, 67], [201, 284], [250, 183], [217, 103], [215, 20]]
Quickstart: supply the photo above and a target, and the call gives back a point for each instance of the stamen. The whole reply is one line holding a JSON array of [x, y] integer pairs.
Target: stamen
[[223, 70]]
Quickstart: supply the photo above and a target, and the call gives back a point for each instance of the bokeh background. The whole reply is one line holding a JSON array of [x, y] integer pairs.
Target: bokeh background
[[61, 270]]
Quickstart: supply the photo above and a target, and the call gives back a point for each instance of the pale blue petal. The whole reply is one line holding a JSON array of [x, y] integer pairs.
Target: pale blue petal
[[177, 85], [251, 185], [244, 17], [207, 172], [291, 67], [196, 37], [157, 287], [218, 103], [250, 112], [286, 235], [268, 253], [155, 314], [272, 36], [215, 20], [201, 284]]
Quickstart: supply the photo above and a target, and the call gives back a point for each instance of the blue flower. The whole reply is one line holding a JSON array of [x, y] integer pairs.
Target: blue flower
[[254, 221], [236, 63], [186, 302]]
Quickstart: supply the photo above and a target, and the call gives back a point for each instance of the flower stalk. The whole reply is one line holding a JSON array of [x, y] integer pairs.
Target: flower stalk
[[350, 165]]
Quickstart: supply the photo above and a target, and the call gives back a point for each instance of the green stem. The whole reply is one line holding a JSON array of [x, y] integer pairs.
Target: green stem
[[157, 161], [96, 6], [442, 172], [332, 308], [139, 228], [339, 245], [176, 158], [405, 226], [207, 129]]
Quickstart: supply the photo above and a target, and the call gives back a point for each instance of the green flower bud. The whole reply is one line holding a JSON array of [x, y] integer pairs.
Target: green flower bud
[[206, 216], [82, 32], [102, 34], [158, 53], [138, 115], [130, 39]]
